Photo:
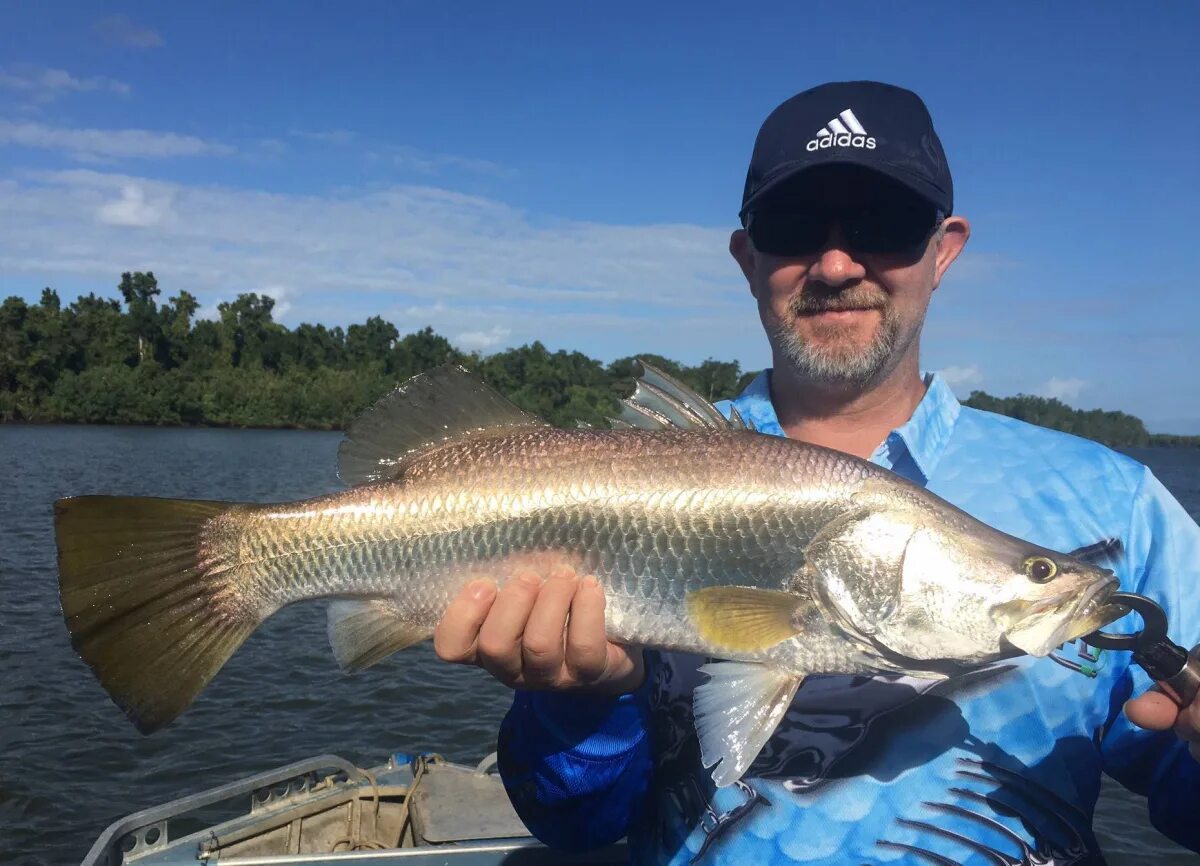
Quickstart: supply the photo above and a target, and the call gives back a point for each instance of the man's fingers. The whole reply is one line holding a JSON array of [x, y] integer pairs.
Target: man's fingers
[[587, 645], [1156, 712], [499, 645], [562, 571], [542, 644], [1187, 726], [455, 637], [1153, 711]]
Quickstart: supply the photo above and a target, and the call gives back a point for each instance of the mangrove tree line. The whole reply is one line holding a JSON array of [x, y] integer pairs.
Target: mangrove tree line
[[141, 359]]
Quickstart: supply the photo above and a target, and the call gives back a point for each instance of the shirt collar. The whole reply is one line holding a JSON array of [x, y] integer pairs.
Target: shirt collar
[[927, 433], [755, 406], [923, 437]]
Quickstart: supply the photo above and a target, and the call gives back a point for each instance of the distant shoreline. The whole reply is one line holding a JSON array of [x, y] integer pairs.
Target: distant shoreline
[[1157, 440], [139, 361]]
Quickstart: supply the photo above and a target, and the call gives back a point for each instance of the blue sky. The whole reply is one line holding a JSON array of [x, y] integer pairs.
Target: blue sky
[[570, 172]]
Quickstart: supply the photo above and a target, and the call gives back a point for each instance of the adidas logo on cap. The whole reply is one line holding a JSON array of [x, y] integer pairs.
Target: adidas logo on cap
[[843, 131]]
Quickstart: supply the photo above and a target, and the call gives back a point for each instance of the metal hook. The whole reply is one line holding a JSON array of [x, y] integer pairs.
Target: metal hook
[[1154, 625], [1090, 664]]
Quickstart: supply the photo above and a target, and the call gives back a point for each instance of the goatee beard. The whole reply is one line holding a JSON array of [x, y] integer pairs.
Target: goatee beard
[[837, 360]]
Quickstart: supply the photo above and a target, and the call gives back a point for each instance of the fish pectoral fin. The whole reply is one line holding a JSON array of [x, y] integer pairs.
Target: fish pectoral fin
[[736, 712], [363, 632], [429, 409], [743, 618]]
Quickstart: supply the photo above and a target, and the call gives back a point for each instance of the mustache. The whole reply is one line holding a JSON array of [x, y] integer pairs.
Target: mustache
[[811, 300]]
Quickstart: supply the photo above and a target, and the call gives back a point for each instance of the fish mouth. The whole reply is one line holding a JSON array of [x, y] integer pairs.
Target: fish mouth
[[1095, 610], [1039, 627]]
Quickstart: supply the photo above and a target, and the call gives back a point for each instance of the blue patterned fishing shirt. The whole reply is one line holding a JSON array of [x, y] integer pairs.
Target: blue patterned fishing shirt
[[999, 767]]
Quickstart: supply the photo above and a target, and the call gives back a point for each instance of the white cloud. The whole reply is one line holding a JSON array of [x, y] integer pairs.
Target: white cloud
[[1062, 389], [958, 377], [122, 30], [45, 85], [210, 310], [421, 162], [481, 341], [271, 147], [324, 136], [133, 208], [93, 144], [417, 255], [282, 296], [617, 330], [408, 159], [974, 267], [961, 378]]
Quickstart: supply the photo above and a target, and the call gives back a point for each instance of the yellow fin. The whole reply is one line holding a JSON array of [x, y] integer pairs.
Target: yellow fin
[[742, 618]]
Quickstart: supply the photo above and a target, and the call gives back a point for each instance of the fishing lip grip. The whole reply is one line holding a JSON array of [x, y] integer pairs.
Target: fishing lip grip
[[1176, 670]]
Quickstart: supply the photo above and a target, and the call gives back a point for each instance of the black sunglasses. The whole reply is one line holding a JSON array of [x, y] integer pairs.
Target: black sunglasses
[[883, 229]]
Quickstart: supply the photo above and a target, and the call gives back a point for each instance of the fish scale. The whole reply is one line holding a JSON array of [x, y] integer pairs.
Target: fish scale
[[436, 530]]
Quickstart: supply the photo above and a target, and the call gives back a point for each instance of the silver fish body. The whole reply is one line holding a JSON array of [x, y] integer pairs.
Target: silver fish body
[[782, 557], [654, 515]]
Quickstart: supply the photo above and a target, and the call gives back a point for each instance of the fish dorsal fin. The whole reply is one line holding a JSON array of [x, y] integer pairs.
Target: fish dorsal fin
[[736, 712], [363, 632], [429, 409], [1105, 550], [660, 401]]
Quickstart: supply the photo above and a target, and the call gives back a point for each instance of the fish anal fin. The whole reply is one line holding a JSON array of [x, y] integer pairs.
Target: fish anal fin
[[429, 409], [736, 712], [744, 619], [363, 632]]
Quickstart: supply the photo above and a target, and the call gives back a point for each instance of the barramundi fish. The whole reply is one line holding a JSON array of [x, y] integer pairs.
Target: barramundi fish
[[782, 558]]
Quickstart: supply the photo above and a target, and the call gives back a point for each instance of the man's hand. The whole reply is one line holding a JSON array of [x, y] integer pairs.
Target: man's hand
[[1156, 712], [538, 636]]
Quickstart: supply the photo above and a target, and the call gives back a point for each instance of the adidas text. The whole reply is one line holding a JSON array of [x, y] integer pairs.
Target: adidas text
[[845, 139]]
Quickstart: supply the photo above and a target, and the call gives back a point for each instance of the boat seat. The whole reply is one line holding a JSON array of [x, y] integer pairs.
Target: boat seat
[[455, 804]]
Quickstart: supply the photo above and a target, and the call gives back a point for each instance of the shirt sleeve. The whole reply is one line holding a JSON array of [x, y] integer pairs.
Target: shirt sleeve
[[1164, 546], [576, 766]]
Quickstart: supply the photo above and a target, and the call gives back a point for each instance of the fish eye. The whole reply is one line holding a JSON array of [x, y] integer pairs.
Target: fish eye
[[1039, 569]]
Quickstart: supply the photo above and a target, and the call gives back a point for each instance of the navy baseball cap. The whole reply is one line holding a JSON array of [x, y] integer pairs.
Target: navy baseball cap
[[867, 123]]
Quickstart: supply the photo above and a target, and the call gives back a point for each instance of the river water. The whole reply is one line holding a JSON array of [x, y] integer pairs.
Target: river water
[[69, 761]]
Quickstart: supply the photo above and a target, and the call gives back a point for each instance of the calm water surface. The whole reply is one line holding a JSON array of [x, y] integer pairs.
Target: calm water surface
[[69, 761]]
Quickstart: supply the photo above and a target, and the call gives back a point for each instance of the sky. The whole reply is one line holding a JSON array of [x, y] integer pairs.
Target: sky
[[570, 172]]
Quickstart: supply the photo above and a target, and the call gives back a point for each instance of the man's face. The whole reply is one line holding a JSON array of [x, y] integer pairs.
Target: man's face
[[838, 315]]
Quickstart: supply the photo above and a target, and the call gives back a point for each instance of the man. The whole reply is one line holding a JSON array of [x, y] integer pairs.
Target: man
[[848, 229]]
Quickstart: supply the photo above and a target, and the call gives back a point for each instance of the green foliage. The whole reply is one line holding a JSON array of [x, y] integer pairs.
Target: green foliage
[[1115, 429], [562, 387], [138, 361], [1173, 440]]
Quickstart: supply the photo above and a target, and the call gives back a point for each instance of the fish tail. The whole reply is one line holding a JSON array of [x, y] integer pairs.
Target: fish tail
[[154, 597]]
